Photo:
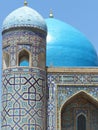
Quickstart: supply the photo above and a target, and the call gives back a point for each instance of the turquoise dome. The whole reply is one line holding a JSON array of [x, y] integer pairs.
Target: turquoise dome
[[24, 17], [68, 47]]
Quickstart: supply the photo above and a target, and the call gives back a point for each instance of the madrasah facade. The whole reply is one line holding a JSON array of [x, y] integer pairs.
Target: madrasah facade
[[49, 75]]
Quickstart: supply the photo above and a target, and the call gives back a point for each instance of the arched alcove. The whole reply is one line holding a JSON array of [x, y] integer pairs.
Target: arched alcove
[[24, 58], [6, 60], [79, 112], [81, 122]]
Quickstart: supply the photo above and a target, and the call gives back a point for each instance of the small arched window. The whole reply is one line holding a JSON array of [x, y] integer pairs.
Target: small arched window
[[6, 60], [81, 122], [23, 58]]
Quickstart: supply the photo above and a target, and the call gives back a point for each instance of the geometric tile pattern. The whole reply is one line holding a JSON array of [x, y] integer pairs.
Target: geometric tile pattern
[[74, 78], [24, 88], [24, 99], [51, 116], [34, 42], [64, 92], [75, 108], [62, 86]]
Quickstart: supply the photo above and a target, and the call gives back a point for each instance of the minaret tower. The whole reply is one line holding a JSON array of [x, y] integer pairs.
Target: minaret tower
[[24, 74]]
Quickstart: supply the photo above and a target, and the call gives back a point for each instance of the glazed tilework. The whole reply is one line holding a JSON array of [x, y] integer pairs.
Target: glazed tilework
[[65, 92], [23, 36], [64, 85], [24, 99], [79, 106], [34, 42]]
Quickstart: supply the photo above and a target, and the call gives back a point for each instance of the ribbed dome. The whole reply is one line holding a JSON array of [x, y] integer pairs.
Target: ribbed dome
[[67, 47], [24, 17]]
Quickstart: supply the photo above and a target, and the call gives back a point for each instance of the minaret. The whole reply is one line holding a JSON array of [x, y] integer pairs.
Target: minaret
[[24, 71]]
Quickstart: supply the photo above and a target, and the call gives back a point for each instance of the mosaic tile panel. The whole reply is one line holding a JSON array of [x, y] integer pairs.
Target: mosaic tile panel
[[79, 106], [33, 41], [62, 86], [24, 99], [65, 92]]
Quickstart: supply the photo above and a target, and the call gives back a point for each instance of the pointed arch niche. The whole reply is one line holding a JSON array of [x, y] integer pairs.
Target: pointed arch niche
[[24, 58], [81, 122], [6, 60], [80, 112]]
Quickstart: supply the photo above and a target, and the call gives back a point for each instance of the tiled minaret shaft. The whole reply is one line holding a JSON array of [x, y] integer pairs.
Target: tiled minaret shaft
[[24, 74]]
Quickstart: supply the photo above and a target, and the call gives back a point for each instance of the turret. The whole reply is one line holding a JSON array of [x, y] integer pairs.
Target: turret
[[24, 74]]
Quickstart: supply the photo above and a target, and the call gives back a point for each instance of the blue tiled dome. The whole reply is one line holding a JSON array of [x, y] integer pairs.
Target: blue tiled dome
[[24, 17], [67, 47]]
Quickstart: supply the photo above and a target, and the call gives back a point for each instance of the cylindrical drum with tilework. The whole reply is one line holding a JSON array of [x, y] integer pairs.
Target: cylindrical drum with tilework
[[24, 76]]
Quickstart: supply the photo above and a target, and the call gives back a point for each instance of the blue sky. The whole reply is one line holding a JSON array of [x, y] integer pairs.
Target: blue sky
[[82, 14]]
